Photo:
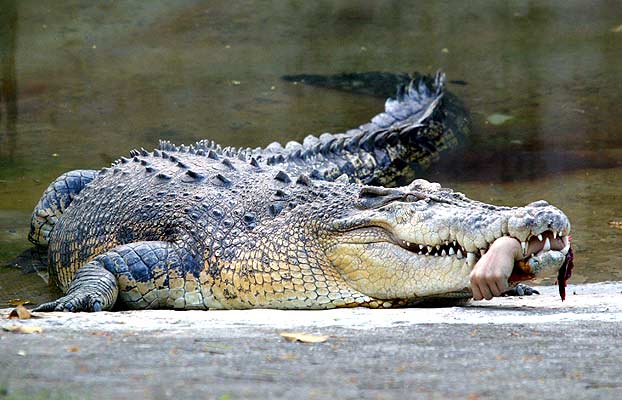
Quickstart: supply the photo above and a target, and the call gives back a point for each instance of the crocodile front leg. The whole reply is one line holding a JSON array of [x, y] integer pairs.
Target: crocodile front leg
[[92, 289], [149, 274]]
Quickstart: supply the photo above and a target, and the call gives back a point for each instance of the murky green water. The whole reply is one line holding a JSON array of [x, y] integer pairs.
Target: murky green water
[[84, 82]]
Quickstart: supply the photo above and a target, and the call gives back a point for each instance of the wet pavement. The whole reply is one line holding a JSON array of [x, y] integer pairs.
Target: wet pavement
[[520, 348]]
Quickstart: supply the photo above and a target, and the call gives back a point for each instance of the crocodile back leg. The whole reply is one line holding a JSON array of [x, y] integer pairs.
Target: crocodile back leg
[[55, 200]]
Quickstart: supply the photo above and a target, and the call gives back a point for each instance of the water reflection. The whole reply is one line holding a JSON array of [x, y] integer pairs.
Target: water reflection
[[8, 82], [100, 78]]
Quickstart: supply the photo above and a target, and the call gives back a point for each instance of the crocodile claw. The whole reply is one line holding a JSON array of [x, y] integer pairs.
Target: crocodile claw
[[73, 302], [521, 290]]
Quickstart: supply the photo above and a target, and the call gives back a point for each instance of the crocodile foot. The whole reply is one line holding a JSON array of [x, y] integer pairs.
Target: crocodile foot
[[74, 302], [93, 289], [520, 290]]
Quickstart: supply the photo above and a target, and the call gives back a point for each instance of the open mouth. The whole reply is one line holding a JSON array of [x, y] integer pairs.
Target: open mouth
[[539, 252], [445, 249], [536, 246]]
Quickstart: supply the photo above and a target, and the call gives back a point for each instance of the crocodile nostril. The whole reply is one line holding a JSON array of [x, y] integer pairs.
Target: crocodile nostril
[[539, 203]]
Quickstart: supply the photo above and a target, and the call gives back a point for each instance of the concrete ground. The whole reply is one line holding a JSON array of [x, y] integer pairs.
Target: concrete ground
[[518, 348]]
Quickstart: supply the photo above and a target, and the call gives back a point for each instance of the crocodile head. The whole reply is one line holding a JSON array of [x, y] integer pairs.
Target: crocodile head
[[423, 240]]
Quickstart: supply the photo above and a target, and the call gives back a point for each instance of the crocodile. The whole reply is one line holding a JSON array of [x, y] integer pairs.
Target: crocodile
[[294, 227]]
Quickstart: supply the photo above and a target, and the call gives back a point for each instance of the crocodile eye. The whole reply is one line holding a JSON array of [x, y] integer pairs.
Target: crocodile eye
[[411, 198], [373, 197]]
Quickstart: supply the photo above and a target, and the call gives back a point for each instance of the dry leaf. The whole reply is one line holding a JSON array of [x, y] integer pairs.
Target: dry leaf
[[18, 302], [303, 337], [19, 312], [101, 333], [23, 329], [73, 349], [617, 29]]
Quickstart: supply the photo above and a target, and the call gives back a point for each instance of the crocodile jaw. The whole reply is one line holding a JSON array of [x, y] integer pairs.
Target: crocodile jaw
[[384, 270], [428, 247]]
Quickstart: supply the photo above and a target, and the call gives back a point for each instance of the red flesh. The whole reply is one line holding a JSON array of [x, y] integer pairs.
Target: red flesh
[[564, 273]]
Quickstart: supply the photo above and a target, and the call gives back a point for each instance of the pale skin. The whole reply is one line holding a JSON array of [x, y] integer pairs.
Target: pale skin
[[489, 277]]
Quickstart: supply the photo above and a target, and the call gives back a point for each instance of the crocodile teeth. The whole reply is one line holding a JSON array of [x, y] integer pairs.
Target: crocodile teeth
[[554, 234], [482, 252], [443, 253], [438, 247], [451, 251], [459, 254], [547, 245], [523, 245], [566, 248], [540, 237], [429, 249], [471, 259]]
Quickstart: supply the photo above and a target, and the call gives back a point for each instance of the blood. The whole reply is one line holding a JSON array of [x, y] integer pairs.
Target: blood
[[565, 272]]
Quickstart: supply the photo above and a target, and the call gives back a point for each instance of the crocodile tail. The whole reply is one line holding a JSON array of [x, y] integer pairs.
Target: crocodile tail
[[415, 101], [419, 122], [55, 200], [374, 83], [413, 104], [391, 148]]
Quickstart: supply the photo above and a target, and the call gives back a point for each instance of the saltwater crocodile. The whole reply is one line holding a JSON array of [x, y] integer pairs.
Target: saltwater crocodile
[[204, 227]]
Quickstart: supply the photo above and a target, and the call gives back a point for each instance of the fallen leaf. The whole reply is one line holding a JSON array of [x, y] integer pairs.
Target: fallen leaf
[[303, 337], [19, 312], [18, 302], [218, 346], [615, 224], [498, 119], [533, 357], [617, 29], [23, 329], [73, 349], [98, 333]]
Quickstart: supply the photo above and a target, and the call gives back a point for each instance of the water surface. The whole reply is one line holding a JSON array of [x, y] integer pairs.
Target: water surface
[[85, 82]]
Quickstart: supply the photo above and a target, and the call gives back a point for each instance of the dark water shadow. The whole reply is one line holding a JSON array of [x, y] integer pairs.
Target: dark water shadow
[[498, 164], [8, 80]]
